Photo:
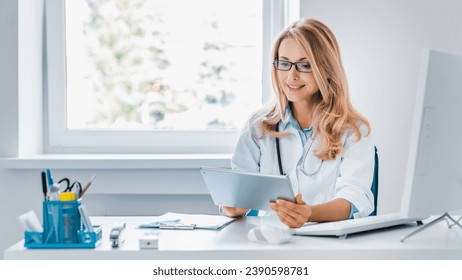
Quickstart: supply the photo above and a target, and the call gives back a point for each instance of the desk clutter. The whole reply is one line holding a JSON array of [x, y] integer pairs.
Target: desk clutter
[[66, 223], [178, 221]]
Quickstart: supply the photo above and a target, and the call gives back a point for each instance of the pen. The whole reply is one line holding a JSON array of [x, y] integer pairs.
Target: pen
[[157, 224], [166, 222], [177, 226], [88, 185], [44, 184]]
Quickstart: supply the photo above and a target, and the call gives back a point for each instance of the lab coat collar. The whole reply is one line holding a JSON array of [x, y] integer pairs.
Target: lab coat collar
[[289, 119], [285, 121]]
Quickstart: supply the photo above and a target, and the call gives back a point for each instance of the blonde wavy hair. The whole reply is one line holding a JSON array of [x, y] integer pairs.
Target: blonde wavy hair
[[332, 111]]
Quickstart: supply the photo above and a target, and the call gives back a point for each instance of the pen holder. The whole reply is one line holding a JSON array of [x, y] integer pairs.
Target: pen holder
[[61, 221], [62, 228]]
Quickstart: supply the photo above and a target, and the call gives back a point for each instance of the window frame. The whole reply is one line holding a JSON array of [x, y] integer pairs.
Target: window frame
[[59, 139]]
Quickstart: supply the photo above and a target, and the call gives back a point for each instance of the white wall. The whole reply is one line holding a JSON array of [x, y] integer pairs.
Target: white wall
[[8, 103], [381, 44], [8, 77]]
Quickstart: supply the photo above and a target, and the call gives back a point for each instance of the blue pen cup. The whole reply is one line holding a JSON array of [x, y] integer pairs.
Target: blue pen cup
[[62, 228], [61, 221]]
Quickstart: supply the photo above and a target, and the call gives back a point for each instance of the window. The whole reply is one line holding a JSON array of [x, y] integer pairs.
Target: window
[[148, 76]]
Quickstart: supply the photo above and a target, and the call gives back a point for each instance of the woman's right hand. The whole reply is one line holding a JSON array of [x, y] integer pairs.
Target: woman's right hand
[[233, 211]]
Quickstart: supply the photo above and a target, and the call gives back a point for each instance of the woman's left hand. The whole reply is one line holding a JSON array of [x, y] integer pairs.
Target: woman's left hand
[[293, 214]]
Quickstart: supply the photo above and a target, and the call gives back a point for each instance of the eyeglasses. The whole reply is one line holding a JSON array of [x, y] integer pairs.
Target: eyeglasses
[[284, 65]]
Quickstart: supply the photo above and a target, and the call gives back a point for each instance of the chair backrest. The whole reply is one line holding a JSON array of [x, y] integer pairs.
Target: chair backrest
[[252, 212], [374, 187], [375, 183]]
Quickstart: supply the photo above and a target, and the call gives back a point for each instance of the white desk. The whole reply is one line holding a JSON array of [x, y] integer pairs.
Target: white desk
[[437, 242]]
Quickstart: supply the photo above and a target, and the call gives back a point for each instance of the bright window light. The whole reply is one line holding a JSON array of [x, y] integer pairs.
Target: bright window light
[[152, 76], [162, 65]]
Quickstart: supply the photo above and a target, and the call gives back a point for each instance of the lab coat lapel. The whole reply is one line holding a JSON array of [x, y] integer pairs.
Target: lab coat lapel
[[291, 149]]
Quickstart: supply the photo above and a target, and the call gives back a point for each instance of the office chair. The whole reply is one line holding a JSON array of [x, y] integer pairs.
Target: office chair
[[375, 183], [374, 187]]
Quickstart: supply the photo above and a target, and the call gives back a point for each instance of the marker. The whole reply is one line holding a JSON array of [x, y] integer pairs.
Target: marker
[[88, 185], [44, 185], [50, 179]]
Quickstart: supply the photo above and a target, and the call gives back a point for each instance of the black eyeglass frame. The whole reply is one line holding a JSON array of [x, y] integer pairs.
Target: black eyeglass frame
[[297, 65]]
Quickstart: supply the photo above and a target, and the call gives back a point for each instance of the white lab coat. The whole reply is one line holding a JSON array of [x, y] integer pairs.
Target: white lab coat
[[349, 176]]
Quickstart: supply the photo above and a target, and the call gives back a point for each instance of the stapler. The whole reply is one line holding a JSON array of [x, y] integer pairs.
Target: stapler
[[117, 235]]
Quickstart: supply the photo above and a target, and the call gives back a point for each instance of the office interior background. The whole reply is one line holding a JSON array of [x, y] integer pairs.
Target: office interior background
[[381, 43]]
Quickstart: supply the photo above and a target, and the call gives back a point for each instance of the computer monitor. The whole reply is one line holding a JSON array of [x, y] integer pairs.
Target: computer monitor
[[434, 175]]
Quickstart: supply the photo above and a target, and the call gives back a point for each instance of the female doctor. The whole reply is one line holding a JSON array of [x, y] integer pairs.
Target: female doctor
[[310, 132]]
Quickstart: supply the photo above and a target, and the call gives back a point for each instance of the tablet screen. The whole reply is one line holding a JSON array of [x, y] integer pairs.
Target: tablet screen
[[244, 189]]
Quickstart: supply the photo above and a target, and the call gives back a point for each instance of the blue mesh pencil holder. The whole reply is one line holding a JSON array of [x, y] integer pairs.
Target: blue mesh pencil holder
[[62, 228]]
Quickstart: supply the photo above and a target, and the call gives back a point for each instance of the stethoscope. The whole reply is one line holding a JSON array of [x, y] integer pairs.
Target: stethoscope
[[302, 167]]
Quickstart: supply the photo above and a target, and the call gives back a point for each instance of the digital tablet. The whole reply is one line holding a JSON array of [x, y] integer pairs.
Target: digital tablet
[[244, 189]]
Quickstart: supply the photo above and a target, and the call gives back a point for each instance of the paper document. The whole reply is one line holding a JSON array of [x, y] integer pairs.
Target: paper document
[[189, 221]]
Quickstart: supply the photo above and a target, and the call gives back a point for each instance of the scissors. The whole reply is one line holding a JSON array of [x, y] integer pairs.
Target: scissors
[[74, 187]]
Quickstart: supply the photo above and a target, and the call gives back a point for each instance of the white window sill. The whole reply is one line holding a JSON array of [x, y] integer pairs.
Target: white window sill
[[116, 161]]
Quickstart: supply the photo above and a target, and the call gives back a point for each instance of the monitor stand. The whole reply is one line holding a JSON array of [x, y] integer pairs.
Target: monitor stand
[[437, 220]]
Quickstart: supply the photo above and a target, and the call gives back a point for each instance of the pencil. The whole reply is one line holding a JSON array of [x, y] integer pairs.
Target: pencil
[[88, 185]]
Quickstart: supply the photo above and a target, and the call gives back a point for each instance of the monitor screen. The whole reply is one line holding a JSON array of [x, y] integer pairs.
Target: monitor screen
[[434, 174]]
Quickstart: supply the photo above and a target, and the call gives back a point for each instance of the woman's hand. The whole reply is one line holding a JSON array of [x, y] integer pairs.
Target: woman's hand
[[293, 214], [233, 211]]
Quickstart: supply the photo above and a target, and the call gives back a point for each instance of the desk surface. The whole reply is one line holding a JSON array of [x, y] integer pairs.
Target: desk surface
[[436, 242]]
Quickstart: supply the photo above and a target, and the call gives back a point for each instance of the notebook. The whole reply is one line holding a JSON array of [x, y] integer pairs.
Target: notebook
[[433, 177]]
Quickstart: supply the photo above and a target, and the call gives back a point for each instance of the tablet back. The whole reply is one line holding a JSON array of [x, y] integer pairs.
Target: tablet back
[[243, 189]]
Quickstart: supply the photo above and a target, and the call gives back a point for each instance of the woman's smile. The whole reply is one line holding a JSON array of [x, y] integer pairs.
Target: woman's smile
[[295, 86]]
